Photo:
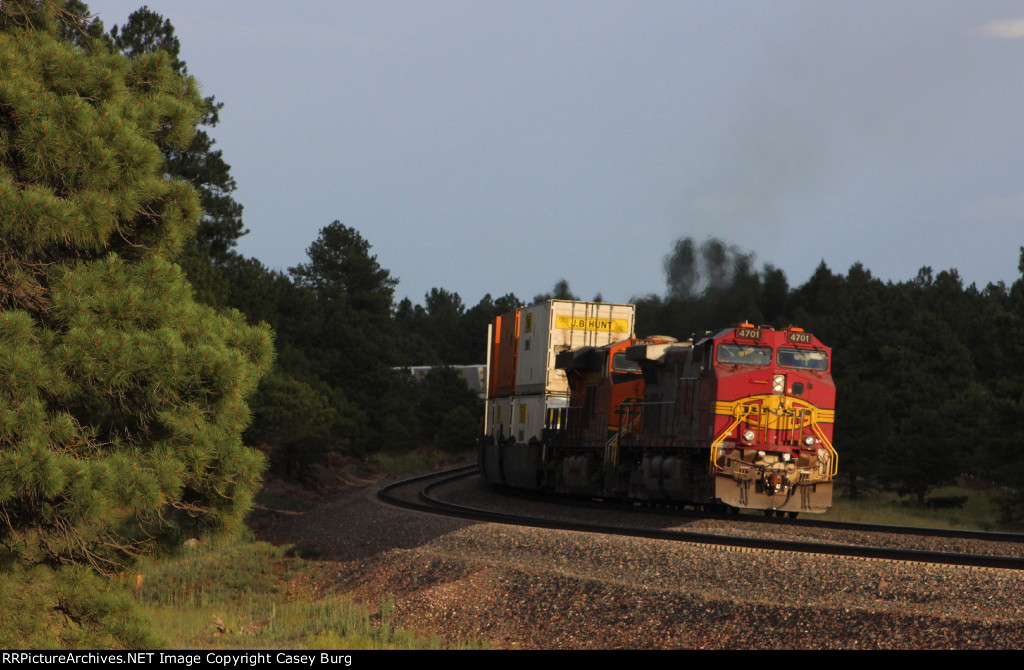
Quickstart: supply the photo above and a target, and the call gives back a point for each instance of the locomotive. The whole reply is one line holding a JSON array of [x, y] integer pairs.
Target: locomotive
[[737, 419]]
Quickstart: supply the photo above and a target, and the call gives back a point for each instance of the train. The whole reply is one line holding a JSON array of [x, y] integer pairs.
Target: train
[[739, 418]]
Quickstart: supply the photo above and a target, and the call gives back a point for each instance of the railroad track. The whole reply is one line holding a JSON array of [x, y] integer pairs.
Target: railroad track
[[419, 493]]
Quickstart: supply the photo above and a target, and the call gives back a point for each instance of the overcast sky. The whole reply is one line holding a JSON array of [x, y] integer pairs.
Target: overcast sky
[[496, 147]]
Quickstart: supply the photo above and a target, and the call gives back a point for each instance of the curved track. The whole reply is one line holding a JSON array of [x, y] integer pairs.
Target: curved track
[[423, 499]]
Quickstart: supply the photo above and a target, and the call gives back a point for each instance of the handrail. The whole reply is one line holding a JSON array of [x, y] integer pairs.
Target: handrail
[[611, 447], [746, 408]]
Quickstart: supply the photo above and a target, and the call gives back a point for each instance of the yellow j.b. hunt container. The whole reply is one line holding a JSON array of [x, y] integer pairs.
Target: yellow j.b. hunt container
[[547, 328], [526, 393]]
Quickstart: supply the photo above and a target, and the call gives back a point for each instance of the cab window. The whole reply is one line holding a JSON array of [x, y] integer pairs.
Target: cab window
[[804, 359], [743, 354], [622, 364]]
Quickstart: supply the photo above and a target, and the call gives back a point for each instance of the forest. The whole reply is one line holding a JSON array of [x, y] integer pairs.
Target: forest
[[150, 374]]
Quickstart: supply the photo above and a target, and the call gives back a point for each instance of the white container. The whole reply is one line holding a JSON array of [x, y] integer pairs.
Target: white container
[[475, 376], [524, 417], [556, 325]]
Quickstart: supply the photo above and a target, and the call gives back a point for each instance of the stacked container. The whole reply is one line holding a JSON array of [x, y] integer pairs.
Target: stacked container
[[526, 393]]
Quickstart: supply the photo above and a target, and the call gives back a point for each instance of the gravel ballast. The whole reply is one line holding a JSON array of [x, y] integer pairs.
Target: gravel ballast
[[526, 588]]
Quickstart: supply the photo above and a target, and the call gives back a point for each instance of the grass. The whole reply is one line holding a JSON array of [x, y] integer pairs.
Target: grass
[[247, 595], [420, 461], [979, 511]]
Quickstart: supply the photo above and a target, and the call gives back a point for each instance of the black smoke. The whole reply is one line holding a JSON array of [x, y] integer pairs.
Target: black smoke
[[694, 269]]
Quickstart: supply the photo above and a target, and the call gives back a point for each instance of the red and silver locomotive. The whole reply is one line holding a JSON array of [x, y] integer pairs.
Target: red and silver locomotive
[[741, 418]]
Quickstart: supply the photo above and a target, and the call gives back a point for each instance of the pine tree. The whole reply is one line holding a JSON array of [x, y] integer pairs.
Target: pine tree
[[349, 332], [122, 400], [197, 163]]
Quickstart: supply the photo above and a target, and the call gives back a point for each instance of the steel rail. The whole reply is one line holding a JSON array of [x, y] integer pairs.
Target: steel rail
[[924, 531], [431, 504]]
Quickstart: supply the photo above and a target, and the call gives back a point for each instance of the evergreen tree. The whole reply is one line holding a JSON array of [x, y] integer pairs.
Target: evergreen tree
[[561, 291], [473, 327], [122, 400], [197, 163], [341, 270], [417, 344], [292, 422], [932, 436], [1005, 457], [348, 331], [450, 412]]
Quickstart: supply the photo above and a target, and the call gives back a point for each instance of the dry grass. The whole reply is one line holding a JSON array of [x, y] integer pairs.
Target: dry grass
[[251, 595]]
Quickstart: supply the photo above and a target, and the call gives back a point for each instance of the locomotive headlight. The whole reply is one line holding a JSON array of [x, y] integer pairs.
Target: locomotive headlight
[[809, 441], [779, 383], [749, 435]]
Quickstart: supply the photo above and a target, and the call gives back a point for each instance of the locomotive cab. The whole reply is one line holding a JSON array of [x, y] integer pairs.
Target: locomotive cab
[[773, 413], [605, 390]]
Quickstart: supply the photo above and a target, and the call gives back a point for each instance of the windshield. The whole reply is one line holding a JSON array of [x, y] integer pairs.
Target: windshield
[[622, 364], [803, 359], [744, 354]]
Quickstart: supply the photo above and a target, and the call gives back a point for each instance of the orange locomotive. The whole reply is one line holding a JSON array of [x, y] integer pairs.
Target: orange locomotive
[[742, 418]]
